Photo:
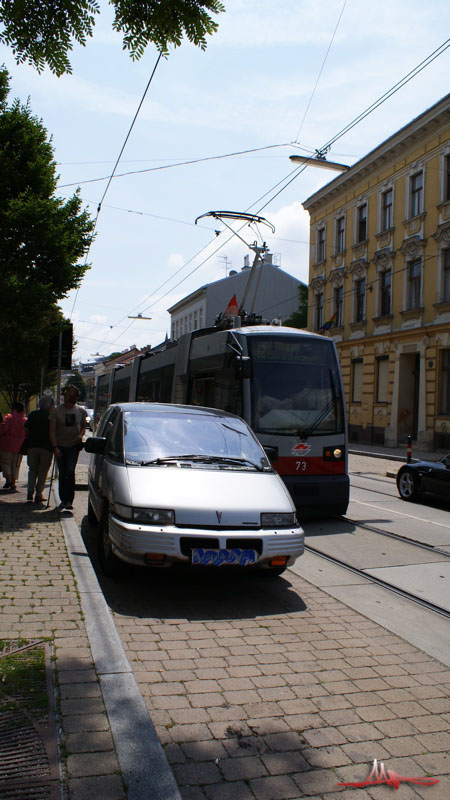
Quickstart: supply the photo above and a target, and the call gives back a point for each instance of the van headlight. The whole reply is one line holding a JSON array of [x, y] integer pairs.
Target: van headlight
[[149, 516], [278, 520], [154, 516]]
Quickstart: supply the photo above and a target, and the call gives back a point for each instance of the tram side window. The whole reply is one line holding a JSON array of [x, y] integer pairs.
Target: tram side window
[[219, 391], [155, 386], [102, 401]]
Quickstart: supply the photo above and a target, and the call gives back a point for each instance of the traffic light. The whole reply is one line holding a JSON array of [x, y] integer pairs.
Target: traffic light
[[66, 349]]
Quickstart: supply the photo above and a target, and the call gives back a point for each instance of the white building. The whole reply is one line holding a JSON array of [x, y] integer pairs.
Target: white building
[[272, 293]]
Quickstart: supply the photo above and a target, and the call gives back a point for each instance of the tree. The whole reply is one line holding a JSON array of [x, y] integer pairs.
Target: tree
[[77, 380], [42, 242], [299, 319], [42, 32]]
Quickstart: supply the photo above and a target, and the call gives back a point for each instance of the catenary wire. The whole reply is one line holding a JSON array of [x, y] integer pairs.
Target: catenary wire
[[320, 73], [413, 73]]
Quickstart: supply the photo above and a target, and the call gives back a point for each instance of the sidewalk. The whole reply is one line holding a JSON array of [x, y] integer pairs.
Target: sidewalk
[[253, 696], [49, 592]]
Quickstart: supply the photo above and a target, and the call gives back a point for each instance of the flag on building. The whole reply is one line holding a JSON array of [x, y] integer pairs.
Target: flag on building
[[329, 323], [232, 309]]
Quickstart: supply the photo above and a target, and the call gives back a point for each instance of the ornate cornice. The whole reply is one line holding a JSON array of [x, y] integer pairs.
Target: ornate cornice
[[414, 247]]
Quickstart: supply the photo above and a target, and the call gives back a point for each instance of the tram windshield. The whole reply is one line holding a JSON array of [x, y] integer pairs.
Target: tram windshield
[[296, 387]]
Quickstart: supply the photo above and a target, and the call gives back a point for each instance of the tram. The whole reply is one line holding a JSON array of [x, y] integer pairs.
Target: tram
[[285, 382]]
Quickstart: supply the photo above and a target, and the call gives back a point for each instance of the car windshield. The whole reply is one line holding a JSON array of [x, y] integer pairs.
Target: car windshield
[[164, 435]]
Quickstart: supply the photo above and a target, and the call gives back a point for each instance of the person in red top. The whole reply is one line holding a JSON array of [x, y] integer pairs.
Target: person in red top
[[12, 434]]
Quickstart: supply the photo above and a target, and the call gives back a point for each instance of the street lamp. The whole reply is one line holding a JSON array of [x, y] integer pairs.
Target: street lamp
[[138, 316], [319, 161]]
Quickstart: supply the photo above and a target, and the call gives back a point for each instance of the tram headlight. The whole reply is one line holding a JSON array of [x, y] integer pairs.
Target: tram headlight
[[333, 453]]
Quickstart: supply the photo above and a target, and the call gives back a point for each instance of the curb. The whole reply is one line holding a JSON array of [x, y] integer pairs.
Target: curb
[[146, 771]]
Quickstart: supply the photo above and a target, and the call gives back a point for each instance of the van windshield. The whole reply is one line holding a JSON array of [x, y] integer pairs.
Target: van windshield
[[167, 435]]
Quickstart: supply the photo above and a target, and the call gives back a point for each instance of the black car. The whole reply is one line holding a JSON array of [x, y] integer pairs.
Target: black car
[[421, 477]]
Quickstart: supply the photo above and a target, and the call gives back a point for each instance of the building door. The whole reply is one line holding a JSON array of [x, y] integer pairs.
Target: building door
[[408, 400]]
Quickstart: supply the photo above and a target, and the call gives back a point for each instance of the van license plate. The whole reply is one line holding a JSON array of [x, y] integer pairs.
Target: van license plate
[[217, 558]]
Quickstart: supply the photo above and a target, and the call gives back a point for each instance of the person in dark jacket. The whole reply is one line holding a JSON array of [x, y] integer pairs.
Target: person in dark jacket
[[40, 450]]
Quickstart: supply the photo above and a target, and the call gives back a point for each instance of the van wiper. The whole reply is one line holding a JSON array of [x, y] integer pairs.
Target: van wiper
[[203, 459]]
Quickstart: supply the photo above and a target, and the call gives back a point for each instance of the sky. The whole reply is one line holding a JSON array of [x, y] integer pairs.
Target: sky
[[277, 79]]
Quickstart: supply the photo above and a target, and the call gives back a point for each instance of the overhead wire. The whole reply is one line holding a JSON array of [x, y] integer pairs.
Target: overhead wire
[[99, 207], [287, 180], [172, 166], [320, 72]]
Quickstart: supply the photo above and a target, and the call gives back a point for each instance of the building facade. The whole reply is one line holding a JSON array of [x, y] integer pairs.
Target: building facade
[[380, 283], [272, 294]]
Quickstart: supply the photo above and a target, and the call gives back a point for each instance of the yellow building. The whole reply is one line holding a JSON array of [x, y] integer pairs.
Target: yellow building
[[380, 277]]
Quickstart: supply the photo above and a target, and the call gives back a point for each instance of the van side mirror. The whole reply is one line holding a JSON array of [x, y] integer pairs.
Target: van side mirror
[[271, 453], [95, 444]]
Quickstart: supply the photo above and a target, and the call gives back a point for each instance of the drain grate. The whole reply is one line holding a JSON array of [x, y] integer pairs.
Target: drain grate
[[28, 734]]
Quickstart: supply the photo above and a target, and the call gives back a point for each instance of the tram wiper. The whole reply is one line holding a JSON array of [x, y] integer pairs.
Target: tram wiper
[[303, 433]]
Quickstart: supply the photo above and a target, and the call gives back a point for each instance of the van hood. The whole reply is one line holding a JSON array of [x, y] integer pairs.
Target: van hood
[[208, 497]]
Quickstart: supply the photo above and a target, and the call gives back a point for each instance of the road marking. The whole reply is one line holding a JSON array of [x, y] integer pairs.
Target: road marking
[[400, 513]]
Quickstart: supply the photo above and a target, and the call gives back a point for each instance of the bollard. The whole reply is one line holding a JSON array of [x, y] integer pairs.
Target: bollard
[[409, 450]]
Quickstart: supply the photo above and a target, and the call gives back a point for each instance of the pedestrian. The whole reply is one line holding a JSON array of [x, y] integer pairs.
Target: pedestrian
[[40, 450], [12, 434], [67, 428]]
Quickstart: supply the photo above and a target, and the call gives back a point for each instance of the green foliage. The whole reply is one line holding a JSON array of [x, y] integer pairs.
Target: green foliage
[[164, 22], [42, 33], [299, 319], [42, 240]]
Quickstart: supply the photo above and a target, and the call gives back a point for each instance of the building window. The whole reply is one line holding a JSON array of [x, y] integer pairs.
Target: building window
[[338, 305], [357, 375], [382, 379], [319, 311], [416, 194], [200, 318], [447, 178], [445, 383], [320, 255], [385, 292], [360, 300], [362, 223], [340, 234], [414, 283], [446, 275], [386, 210], [195, 320]]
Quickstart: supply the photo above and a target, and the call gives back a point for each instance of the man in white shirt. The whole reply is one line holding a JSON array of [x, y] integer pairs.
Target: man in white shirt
[[67, 428]]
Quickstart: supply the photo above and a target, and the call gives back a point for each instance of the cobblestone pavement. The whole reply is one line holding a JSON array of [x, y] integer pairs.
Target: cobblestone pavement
[[38, 598], [272, 689]]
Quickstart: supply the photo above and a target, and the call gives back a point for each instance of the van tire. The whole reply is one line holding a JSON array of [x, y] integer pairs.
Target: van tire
[[111, 566], [91, 514]]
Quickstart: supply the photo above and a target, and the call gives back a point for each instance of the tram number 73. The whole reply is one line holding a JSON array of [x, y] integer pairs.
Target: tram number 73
[[301, 466]]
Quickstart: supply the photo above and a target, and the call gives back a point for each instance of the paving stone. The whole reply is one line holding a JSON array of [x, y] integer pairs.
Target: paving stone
[[88, 742], [104, 787], [281, 787], [84, 764], [243, 768]]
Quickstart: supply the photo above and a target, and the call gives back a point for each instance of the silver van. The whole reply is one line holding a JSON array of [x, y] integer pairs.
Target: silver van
[[184, 485]]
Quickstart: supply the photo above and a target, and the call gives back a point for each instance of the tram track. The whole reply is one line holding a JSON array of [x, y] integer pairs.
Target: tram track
[[403, 539], [380, 582]]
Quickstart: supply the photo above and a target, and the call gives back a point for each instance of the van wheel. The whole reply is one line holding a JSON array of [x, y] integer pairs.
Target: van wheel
[[111, 566], [91, 514], [273, 572]]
